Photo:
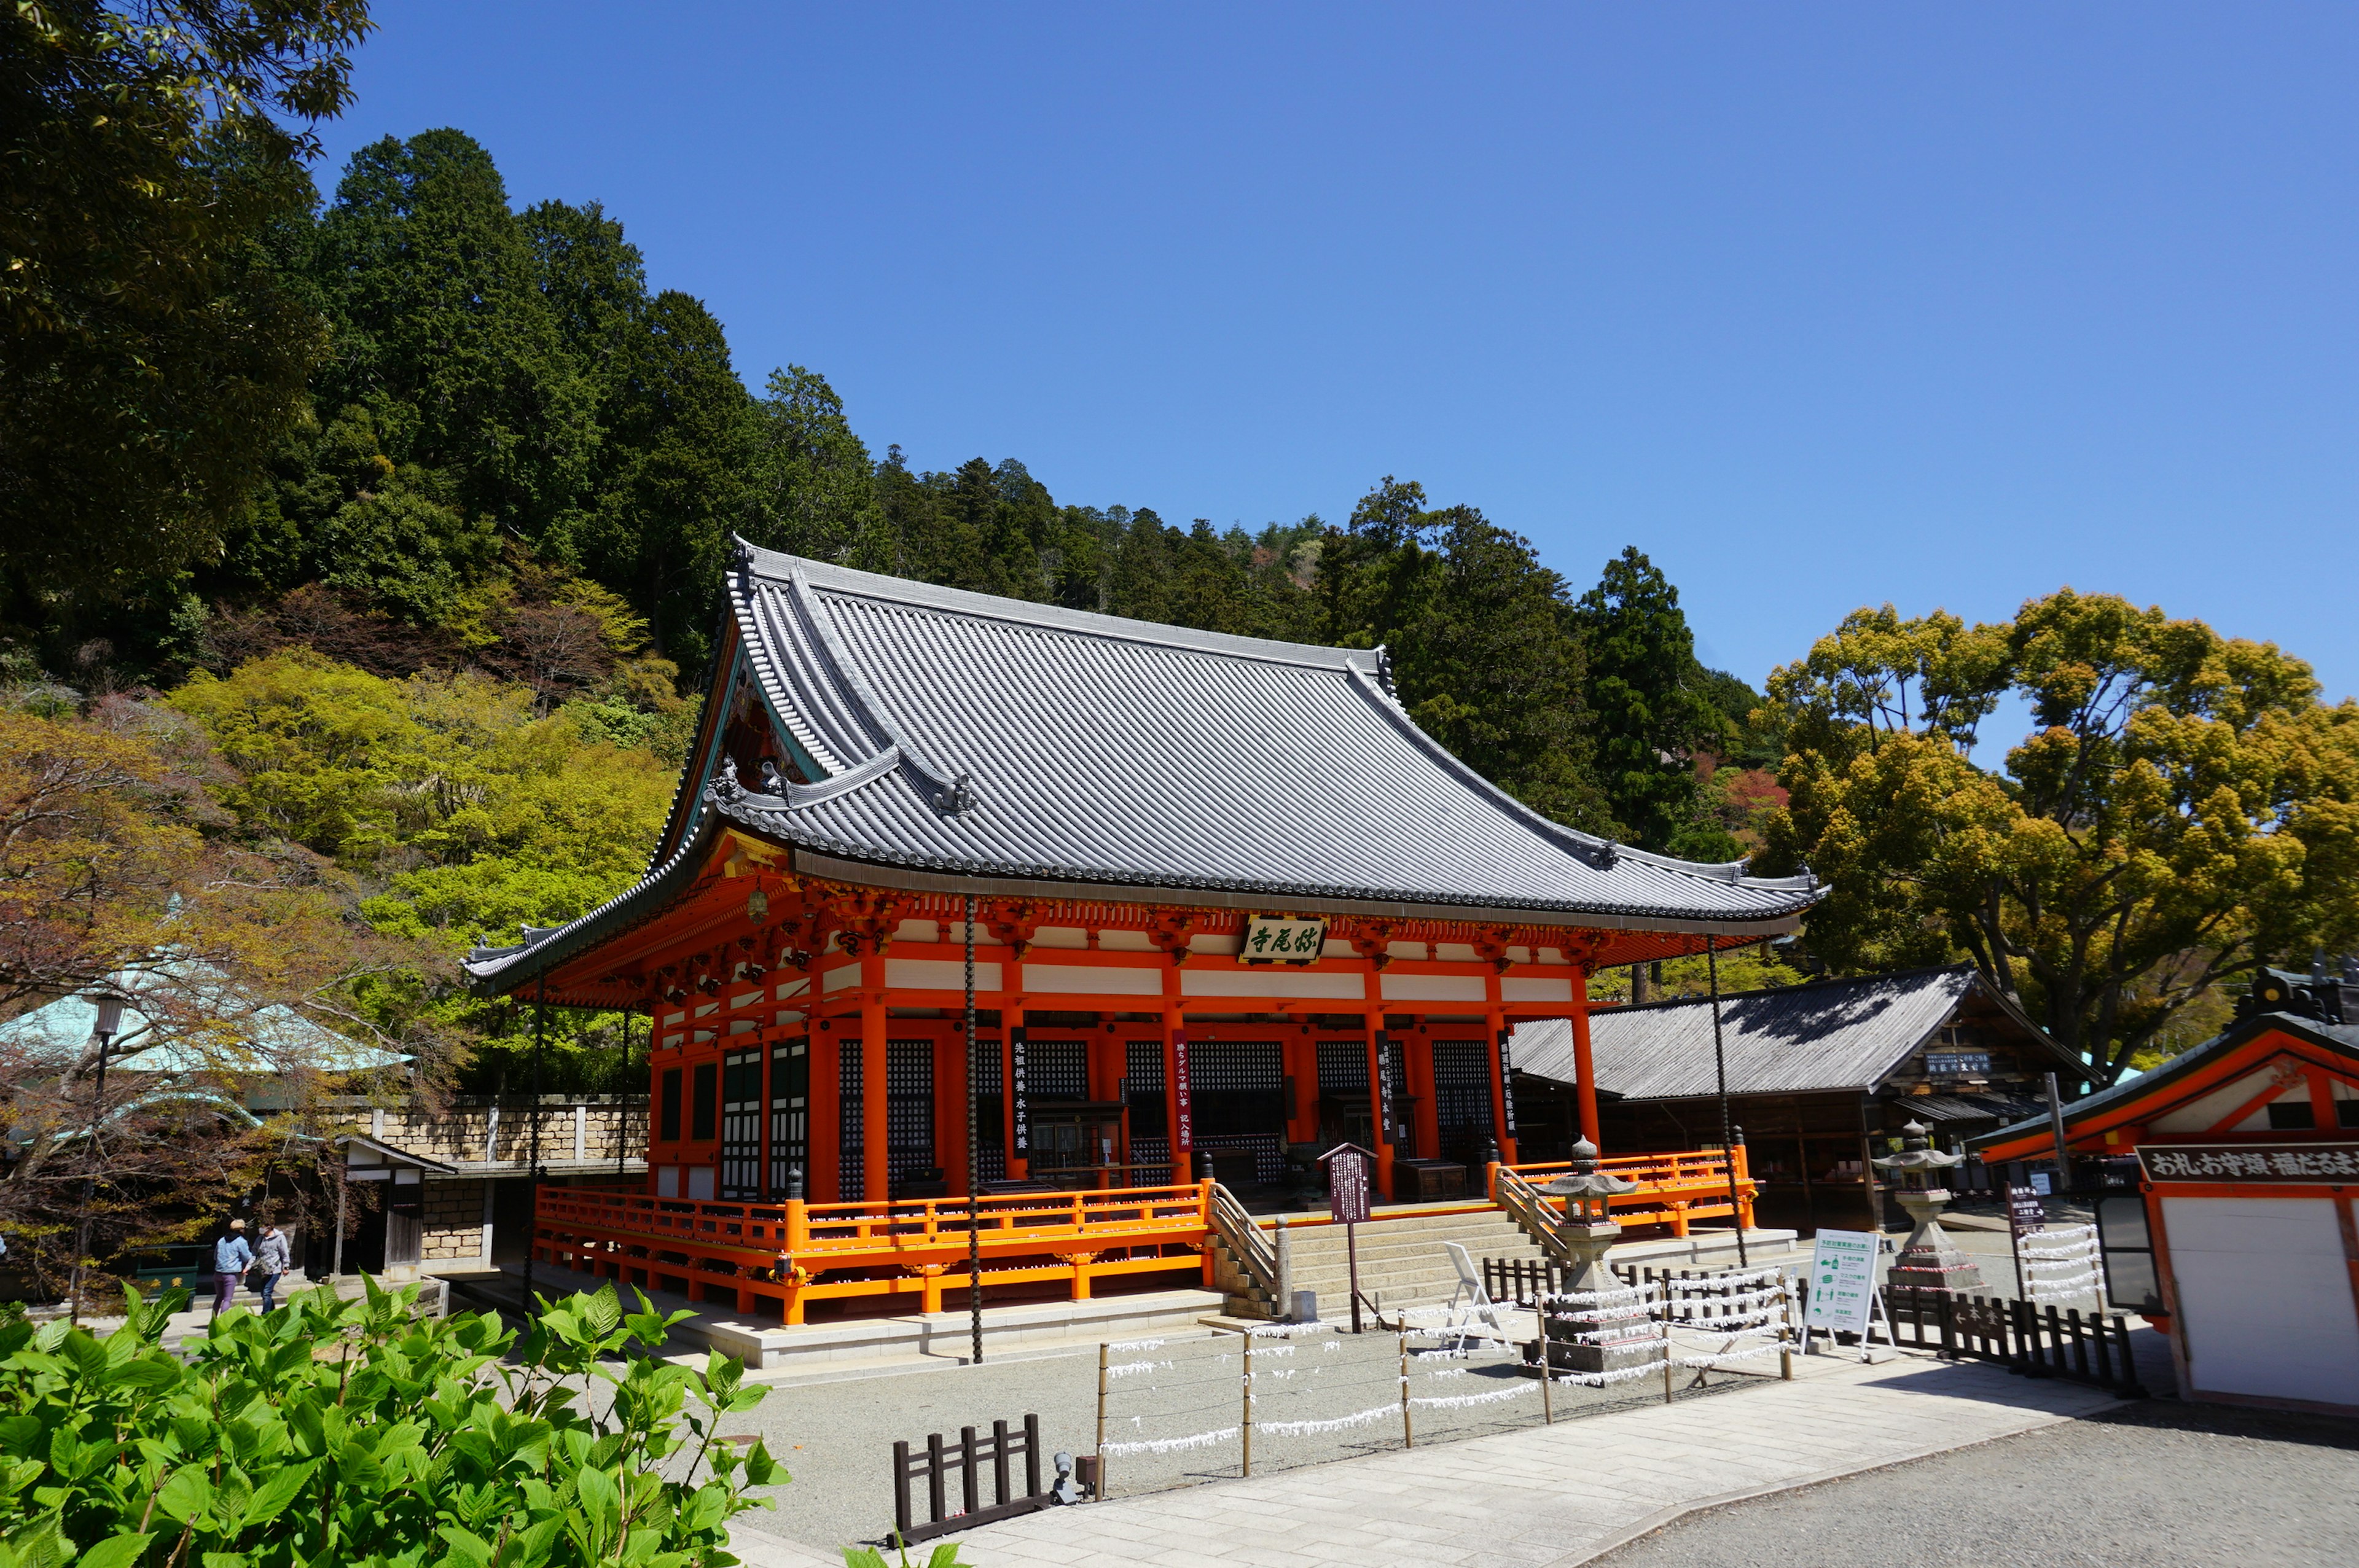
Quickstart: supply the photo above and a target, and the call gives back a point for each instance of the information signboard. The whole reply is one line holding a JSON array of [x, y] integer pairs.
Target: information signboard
[[1842, 1283], [1347, 1187], [2025, 1212]]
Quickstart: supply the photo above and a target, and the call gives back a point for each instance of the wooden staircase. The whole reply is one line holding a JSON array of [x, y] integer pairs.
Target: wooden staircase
[[1402, 1263]]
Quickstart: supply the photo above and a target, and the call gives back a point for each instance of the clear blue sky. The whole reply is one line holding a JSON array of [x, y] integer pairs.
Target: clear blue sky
[[1818, 305]]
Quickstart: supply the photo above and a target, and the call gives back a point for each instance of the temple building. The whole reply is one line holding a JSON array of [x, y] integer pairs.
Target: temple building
[[1227, 901]]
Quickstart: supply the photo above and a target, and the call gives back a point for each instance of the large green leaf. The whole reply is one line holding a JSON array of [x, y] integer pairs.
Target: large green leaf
[[116, 1551], [187, 1494]]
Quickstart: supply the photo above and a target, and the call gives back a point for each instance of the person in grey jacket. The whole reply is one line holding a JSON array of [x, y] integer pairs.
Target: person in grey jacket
[[272, 1256], [232, 1256]]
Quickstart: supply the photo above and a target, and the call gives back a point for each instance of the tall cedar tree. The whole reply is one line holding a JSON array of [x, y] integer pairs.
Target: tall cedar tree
[[1486, 654], [442, 331], [1652, 712], [149, 354]]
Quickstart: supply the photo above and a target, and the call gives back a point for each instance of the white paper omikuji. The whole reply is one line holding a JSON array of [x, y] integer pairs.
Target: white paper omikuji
[[1722, 1281], [1172, 1444], [1135, 1345], [1128, 1369], [1460, 1402], [1311, 1428]]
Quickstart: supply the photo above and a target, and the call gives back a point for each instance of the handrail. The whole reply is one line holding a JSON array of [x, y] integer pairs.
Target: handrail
[[1533, 1214], [815, 1229], [1254, 1252]]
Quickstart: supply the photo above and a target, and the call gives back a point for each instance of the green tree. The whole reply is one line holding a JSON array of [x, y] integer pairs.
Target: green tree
[[443, 332], [2184, 810], [681, 439], [151, 352], [1651, 711], [812, 489], [1484, 651]]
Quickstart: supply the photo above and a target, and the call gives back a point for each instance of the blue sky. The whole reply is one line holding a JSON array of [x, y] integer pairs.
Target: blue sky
[[1819, 305]]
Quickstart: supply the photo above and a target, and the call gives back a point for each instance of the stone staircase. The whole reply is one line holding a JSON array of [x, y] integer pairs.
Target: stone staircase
[[1402, 1262]]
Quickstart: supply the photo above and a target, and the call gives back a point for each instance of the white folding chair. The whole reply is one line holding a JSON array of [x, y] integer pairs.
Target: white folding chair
[[1470, 1302]]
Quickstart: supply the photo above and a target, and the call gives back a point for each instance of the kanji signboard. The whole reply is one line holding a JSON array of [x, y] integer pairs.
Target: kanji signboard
[[1277, 940], [1347, 1186], [2259, 1162], [2025, 1211]]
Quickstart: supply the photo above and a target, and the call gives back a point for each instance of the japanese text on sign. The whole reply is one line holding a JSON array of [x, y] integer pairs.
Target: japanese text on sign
[[1271, 939], [2252, 1162], [1842, 1280], [1347, 1187], [1507, 1082], [2025, 1211], [1016, 1087], [1185, 1117]]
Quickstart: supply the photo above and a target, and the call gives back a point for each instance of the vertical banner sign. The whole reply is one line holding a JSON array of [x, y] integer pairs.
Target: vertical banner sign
[[1015, 1044], [1384, 1088], [1179, 1090], [1507, 1082], [1842, 1283]]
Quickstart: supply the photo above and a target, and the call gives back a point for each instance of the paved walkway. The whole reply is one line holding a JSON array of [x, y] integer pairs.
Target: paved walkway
[[1544, 1497]]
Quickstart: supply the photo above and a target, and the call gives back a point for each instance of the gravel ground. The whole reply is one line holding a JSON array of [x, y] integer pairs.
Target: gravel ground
[[2155, 1481], [837, 1438]]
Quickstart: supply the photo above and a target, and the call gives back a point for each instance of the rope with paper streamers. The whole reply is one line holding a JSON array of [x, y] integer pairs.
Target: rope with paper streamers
[[2059, 1264], [1172, 1444], [1460, 1401]]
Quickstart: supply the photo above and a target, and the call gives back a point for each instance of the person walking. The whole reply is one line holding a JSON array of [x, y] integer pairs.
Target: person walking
[[232, 1256], [272, 1256]]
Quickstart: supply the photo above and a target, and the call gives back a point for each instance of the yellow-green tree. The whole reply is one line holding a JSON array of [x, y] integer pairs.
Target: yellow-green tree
[[2184, 810]]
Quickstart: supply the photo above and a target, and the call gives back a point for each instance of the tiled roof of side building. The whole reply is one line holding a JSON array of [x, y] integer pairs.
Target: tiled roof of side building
[[966, 735], [1838, 1035]]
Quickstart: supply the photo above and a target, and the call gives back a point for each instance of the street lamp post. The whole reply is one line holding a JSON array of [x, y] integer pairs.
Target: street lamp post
[[110, 1023]]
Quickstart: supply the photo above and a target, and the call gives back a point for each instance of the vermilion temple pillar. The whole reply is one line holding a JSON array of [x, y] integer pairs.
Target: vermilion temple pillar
[[876, 1138], [1585, 1085]]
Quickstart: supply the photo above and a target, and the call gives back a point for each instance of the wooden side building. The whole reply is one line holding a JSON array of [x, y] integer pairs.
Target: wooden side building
[[1821, 1078]]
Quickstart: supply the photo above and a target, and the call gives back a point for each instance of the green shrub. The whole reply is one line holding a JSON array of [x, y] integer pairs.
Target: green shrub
[[353, 1433]]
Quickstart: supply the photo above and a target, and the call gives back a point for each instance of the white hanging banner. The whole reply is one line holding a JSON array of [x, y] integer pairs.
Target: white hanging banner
[[1842, 1283]]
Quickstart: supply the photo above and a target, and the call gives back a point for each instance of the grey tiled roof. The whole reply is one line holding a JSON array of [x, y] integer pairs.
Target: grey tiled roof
[[962, 734], [1842, 1034]]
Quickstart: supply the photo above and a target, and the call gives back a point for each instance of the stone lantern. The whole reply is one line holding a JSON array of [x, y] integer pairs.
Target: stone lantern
[[1609, 1339], [1929, 1259]]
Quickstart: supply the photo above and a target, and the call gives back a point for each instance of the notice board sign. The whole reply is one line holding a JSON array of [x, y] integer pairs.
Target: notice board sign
[[2333, 1162], [1347, 1186], [1280, 939], [2025, 1212], [1843, 1282]]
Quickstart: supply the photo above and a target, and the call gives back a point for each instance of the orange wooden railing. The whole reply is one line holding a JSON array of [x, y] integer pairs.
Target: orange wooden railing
[[794, 1252], [1673, 1189]]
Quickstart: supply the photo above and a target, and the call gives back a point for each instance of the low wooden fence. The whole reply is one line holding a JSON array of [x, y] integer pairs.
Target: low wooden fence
[[2023, 1336], [936, 1460], [791, 1253]]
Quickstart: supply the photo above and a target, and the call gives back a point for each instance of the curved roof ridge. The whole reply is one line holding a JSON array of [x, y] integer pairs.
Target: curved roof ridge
[[862, 698], [1599, 852], [825, 575]]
